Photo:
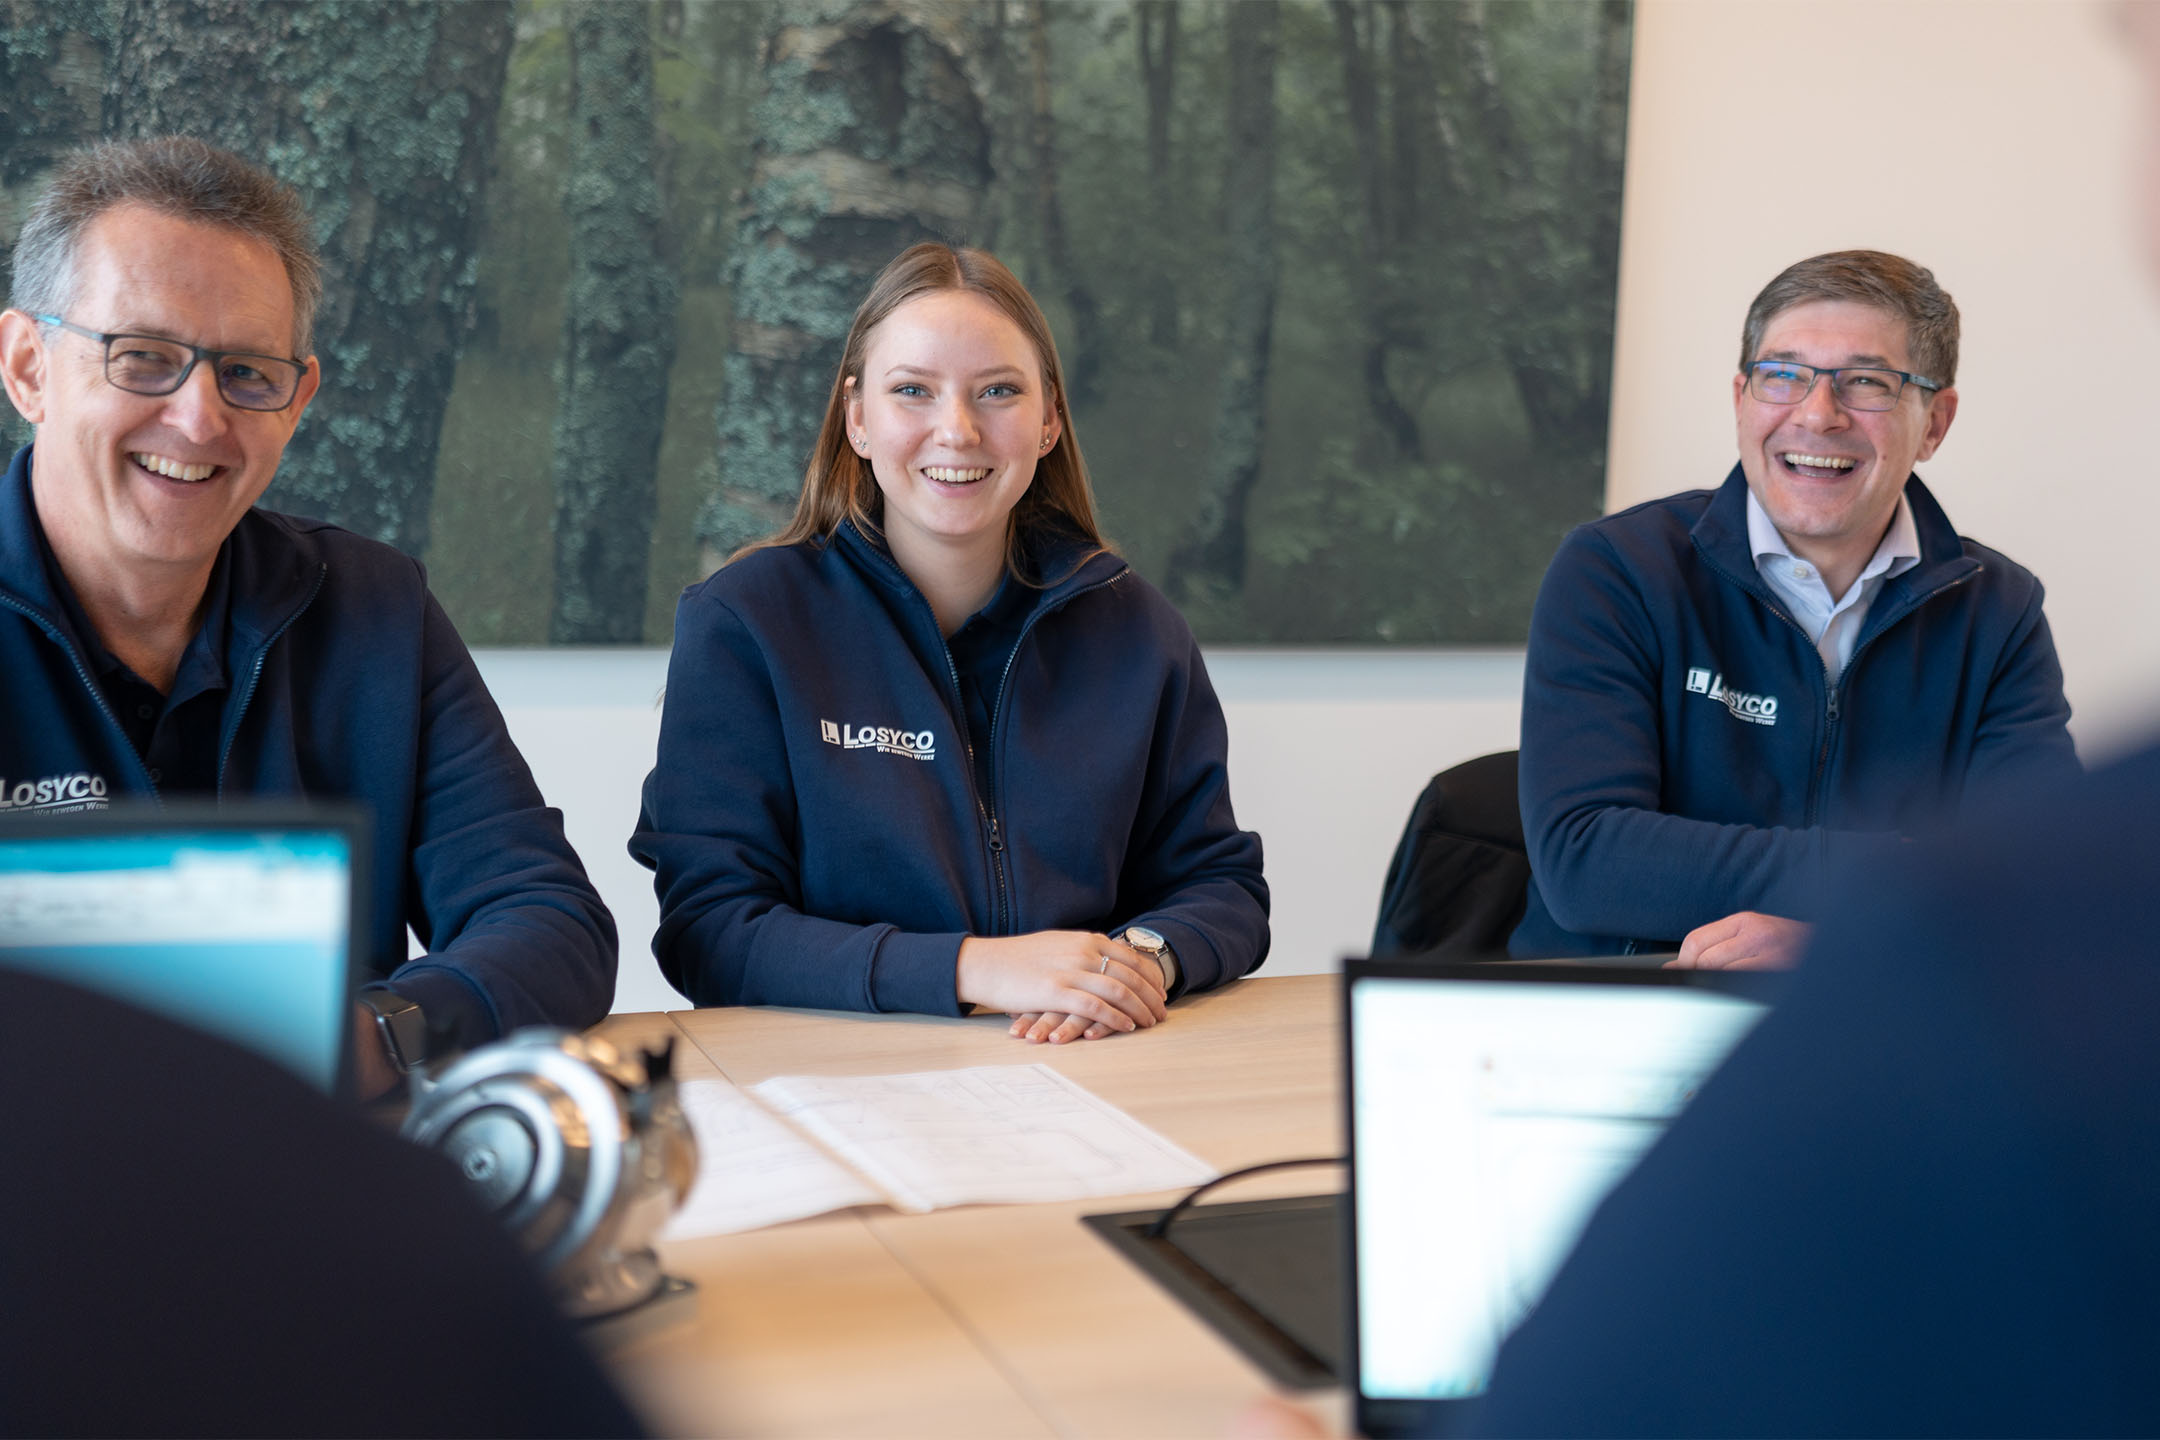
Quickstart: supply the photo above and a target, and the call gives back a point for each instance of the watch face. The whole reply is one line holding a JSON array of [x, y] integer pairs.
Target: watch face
[[1143, 939], [403, 1026]]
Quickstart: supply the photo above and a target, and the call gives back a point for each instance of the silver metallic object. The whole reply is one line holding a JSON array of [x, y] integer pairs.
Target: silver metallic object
[[582, 1153]]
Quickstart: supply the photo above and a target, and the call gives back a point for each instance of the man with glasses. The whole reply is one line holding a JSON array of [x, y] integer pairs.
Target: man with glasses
[[161, 638], [1729, 691]]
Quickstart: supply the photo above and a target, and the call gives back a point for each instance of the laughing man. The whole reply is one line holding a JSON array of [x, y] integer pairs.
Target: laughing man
[[1729, 690], [160, 637]]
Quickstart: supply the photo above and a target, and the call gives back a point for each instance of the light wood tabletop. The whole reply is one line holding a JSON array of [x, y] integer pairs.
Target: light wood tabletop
[[985, 1319]]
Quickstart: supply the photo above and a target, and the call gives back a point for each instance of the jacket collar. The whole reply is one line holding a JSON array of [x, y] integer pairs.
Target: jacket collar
[[1722, 536], [1070, 564], [273, 572]]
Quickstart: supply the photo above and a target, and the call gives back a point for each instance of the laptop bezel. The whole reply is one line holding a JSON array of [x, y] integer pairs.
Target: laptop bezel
[[345, 819], [1384, 1416]]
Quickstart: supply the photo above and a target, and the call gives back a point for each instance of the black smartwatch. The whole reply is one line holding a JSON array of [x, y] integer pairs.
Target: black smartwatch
[[402, 1025]]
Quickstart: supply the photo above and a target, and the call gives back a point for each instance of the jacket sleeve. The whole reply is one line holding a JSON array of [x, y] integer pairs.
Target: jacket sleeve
[[1194, 875], [721, 829], [2024, 732], [515, 933], [1607, 861]]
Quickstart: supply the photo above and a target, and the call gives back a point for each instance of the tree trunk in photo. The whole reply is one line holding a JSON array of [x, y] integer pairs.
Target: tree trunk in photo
[[1083, 351], [1004, 100], [1155, 29], [1599, 172], [1357, 35], [383, 117], [869, 137], [1409, 102], [52, 72], [1209, 566], [1562, 375], [618, 333]]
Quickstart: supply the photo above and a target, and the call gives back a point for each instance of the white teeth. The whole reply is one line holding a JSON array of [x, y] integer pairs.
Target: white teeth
[[950, 475], [173, 469], [1820, 462]]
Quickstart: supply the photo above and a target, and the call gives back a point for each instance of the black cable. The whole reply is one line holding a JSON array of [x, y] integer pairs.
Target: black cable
[[1161, 1226]]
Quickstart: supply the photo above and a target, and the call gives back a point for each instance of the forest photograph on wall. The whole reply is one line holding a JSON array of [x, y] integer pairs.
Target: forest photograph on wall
[[1332, 280]]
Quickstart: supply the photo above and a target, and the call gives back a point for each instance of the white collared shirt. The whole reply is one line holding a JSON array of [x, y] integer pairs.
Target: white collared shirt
[[1834, 625]]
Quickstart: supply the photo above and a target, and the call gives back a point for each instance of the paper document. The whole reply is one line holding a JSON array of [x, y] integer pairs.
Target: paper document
[[752, 1170], [995, 1134]]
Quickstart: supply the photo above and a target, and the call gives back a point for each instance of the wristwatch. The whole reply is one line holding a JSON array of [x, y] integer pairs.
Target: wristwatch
[[402, 1025], [1152, 945]]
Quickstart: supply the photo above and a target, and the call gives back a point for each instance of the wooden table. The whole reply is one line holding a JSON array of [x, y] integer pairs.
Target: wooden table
[[986, 1320]]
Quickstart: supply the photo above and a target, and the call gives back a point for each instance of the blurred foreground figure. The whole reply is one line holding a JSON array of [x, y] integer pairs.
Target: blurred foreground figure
[[1920, 1199], [193, 1242]]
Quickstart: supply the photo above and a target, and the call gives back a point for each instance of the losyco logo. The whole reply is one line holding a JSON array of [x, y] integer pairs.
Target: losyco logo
[[915, 744], [1754, 709], [55, 794]]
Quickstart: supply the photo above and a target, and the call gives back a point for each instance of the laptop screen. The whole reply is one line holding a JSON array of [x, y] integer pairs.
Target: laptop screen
[[223, 920], [1492, 1109]]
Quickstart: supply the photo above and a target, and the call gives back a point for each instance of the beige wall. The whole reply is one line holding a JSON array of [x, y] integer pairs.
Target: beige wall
[[2011, 179]]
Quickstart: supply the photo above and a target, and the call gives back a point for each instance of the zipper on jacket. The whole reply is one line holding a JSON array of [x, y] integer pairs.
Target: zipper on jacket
[[1829, 740], [997, 713], [1832, 712], [1821, 769], [1001, 902], [1000, 882], [127, 746], [247, 694]]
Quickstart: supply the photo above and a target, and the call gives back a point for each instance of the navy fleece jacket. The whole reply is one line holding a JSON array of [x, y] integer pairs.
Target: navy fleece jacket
[[348, 683], [1685, 755], [815, 830]]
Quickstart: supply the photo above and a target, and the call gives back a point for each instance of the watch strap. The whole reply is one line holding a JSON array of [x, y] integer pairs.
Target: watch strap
[[402, 1025]]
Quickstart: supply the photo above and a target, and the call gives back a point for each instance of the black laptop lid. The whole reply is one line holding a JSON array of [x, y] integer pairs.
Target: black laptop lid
[[1491, 1108], [240, 920]]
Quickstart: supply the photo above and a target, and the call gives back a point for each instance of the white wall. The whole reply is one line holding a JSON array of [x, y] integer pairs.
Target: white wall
[[2010, 177]]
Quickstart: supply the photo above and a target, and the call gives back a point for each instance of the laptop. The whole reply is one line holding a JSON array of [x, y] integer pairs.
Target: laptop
[[243, 920], [1491, 1108]]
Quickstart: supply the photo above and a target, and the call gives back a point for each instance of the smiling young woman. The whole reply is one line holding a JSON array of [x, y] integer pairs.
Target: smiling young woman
[[934, 745]]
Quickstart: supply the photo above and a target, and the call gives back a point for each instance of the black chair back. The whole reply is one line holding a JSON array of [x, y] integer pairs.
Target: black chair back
[[1460, 877]]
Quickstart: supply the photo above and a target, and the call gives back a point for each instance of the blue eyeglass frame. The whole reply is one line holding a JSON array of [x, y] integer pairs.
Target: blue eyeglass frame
[[1816, 372], [196, 355]]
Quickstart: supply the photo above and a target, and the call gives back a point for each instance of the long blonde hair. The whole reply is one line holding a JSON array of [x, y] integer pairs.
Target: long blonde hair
[[839, 485]]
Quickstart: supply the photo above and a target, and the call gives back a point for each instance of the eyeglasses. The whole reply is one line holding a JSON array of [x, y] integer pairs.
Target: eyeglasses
[[154, 365], [1857, 387]]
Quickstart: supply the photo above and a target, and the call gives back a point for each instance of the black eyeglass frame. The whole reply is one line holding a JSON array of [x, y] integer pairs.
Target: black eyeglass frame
[[196, 355], [1755, 369]]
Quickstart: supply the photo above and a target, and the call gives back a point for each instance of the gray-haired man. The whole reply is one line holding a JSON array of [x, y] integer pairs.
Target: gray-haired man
[[162, 637]]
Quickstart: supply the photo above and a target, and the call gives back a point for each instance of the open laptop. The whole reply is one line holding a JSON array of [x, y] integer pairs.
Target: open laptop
[[240, 920], [1491, 1108]]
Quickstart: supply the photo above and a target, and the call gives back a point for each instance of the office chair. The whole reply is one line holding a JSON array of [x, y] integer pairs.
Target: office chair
[[1461, 874]]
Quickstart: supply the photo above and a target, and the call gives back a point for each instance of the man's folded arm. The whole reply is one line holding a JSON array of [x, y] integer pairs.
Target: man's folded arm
[[2024, 732], [516, 934]]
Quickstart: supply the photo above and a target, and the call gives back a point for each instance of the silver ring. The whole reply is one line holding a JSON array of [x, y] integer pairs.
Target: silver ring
[[1105, 966]]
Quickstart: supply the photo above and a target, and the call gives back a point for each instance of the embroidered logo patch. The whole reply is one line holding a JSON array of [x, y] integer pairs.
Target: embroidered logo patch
[[915, 744], [1754, 709], [55, 794]]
